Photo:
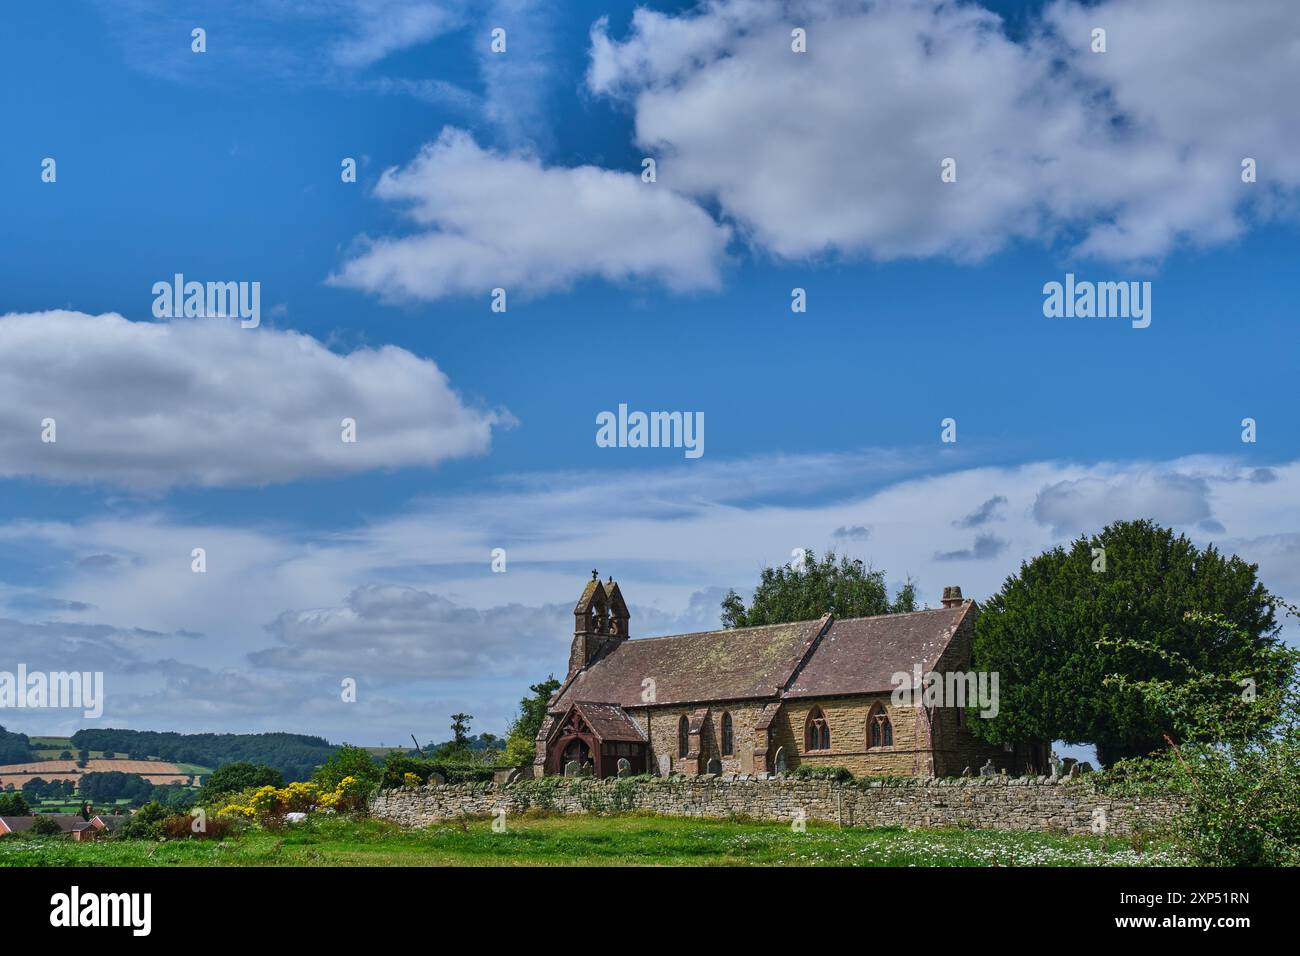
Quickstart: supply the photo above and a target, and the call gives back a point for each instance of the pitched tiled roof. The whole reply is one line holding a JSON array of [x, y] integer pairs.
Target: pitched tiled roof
[[735, 664], [854, 656], [609, 721], [67, 822], [861, 655]]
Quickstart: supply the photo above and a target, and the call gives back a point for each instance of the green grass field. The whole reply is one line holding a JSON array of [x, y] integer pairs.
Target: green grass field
[[591, 841]]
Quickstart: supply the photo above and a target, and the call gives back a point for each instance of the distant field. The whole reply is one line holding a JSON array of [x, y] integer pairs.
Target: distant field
[[591, 841], [49, 748], [155, 771], [143, 767]]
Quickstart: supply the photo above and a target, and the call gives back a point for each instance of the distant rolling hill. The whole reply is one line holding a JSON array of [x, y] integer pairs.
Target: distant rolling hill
[[155, 771]]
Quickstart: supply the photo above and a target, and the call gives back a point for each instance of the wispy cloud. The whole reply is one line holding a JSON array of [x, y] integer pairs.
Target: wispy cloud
[[982, 515], [410, 604]]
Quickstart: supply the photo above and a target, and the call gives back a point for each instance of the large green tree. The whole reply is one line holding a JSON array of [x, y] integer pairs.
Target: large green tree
[[348, 761], [522, 732], [12, 804], [1073, 616], [805, 591], [14, 748]]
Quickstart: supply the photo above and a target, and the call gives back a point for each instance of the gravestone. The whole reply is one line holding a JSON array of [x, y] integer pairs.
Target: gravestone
[[665, 765], [588, 769], [967, 772], [572, 769], [624, 767], [436, 778], [778, 761], [988, 770], [714, 766], [515, 775]]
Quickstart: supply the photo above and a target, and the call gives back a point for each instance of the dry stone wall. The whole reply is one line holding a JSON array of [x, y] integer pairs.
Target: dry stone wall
[[993, 803]]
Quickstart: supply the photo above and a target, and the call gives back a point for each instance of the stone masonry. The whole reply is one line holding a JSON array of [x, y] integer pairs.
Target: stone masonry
[[993, 803]]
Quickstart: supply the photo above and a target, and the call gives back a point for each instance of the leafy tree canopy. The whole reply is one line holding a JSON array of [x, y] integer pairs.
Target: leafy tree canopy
[[461, 748], [296, 756], [239, 776], [348, 761], [45, 826], [12, 804], [1135, 602], [14, 748], [1234, 753], [522, 733], [845, 588]]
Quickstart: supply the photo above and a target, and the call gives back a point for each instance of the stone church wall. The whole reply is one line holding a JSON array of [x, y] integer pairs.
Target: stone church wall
[[661, 723], [994, 803]]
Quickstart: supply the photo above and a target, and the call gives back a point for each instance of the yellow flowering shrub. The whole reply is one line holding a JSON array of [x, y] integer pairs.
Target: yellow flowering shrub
[[350, 794], [268, 804], [299, 797]]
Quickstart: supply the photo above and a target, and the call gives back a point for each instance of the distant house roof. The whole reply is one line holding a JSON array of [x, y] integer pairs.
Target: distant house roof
[[804, 659], [68, 822], [111, 821], [710, 665]]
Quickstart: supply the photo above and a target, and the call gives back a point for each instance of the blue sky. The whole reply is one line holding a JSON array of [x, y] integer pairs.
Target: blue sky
[[521, 170]]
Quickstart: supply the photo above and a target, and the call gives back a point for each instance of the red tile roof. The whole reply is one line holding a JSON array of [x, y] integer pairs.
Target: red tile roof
[[861, 655], [711, 665], [609, 722], [853, 656], [68, 822]]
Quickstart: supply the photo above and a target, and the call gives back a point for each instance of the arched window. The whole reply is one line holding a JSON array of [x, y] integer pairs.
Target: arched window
[[683, 736], [816, 735], [880, 732], [728, 736]]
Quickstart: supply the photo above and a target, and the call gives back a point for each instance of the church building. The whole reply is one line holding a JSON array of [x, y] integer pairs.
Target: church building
[[760, 700]]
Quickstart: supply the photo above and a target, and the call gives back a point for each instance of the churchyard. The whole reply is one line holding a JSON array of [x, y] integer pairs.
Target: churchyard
[[568, 840]]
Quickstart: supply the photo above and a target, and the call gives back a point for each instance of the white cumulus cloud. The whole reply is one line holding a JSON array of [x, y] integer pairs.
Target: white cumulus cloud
[[204, 402], [486, 220], [1124, 155]]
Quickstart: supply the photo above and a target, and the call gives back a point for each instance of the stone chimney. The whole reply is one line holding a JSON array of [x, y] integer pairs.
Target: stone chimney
[[600, 623], [952, 596]]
